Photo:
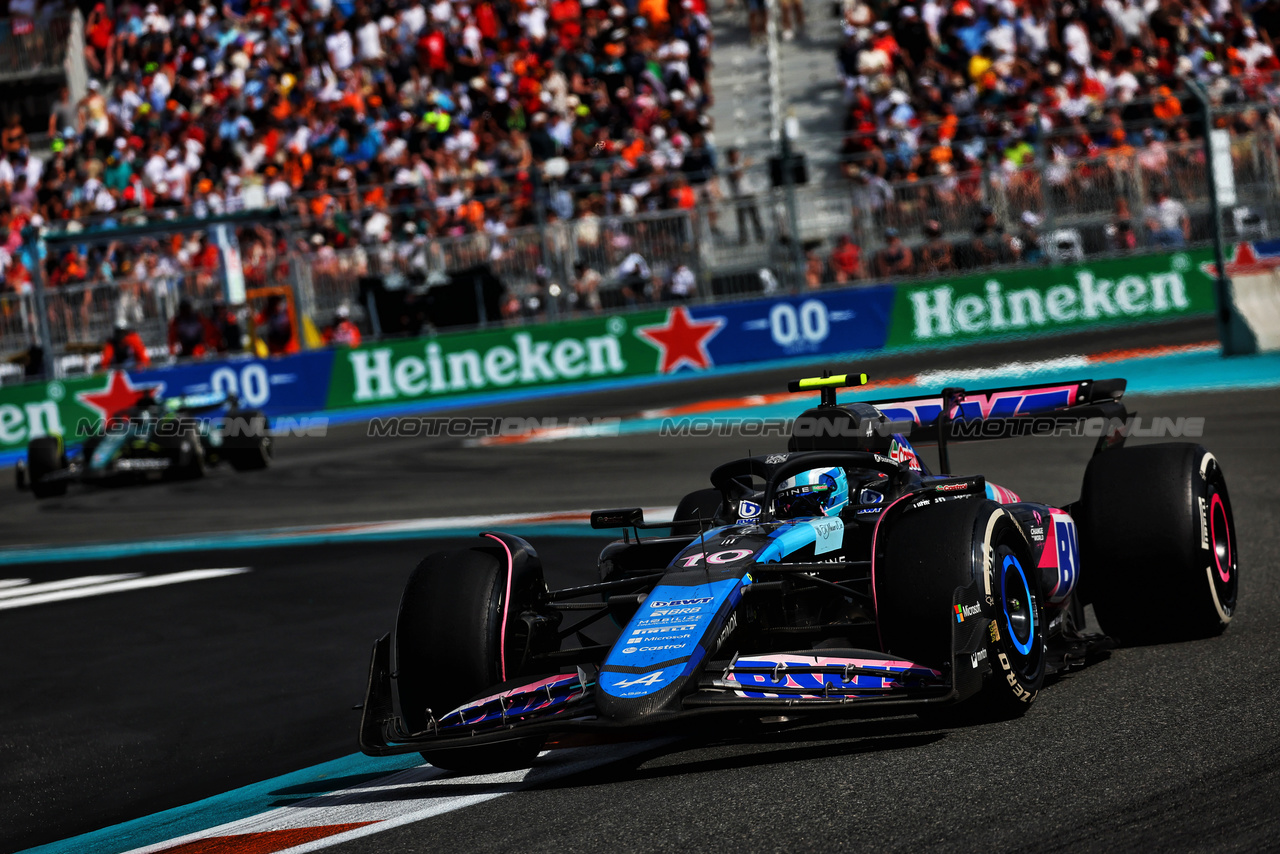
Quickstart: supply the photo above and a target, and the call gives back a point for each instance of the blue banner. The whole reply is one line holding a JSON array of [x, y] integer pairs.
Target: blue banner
[[813, 323], [286, 385]]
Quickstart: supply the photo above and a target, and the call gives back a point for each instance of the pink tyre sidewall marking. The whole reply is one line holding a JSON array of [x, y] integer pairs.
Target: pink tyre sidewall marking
[[1216, 508]]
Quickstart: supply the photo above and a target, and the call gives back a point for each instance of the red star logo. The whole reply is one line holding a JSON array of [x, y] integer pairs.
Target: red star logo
[[119, 394], [1244, 262], [682, 340]]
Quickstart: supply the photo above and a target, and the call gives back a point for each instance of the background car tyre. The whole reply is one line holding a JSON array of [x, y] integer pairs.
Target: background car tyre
[[247, 444], [189, 462], [702, 504], [1159, 539], [45, 456], [449, 645], [930, 552]]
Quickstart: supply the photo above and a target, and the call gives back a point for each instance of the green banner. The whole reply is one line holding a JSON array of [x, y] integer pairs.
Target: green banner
[[1038, 300], [493, 360], [56, 408]]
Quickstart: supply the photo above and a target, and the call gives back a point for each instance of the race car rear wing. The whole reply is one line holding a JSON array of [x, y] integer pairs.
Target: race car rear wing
[[961, 415]]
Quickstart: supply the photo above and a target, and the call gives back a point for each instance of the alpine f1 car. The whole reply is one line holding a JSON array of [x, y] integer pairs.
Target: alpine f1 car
[[174, 438], [841, 577]]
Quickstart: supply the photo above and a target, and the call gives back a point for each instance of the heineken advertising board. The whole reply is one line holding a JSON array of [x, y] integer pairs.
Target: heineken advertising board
[[674, 340], [1040, 300]]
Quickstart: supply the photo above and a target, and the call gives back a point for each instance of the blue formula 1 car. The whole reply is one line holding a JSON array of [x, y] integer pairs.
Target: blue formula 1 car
[[841, 577]]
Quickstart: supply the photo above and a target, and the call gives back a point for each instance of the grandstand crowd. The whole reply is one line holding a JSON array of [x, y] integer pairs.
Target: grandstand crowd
[[374, 120], [341, 110]]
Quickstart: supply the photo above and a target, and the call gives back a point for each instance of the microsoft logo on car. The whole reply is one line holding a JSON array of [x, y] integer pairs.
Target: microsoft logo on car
[[963, 611]]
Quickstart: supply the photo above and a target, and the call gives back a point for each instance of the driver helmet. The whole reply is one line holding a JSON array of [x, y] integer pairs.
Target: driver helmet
[[817, 492]]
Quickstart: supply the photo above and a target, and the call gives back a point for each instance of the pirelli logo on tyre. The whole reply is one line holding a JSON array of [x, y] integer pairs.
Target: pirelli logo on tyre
[[1012, 678]]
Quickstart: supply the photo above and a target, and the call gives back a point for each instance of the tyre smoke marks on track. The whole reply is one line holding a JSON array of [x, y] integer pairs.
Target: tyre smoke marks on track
[[23, 595]]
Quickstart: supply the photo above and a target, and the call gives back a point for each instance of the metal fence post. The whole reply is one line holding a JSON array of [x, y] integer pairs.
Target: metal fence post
[[1050, 214], [544, 242], [793, 220], [695, 220], [1236, 337]]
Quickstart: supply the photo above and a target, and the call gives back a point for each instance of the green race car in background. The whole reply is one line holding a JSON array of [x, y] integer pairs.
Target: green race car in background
[[173, 439]]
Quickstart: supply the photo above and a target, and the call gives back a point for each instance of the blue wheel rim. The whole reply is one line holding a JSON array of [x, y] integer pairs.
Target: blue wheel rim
[[1023, 647]]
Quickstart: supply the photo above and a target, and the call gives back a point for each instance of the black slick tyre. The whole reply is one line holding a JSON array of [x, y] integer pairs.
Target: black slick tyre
[[247, 444], [930, 552], [188, 461], [45, 456], [1158, 543], [453, 639]]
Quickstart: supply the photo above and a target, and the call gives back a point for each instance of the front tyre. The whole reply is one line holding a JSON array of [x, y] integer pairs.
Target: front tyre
[[247, 443], [45, 456], [456, 636], [930, 552], [1158, 543]]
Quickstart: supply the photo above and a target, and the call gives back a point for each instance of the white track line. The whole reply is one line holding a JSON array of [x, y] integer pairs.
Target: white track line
[[14, 582], [404, 798], [130, 582], [65, 584]]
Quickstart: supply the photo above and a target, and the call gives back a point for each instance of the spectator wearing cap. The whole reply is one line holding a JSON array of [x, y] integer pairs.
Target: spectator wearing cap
[[895, 258]]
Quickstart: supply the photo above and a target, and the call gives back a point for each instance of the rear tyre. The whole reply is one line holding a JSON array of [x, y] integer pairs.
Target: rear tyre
[[45, 456], [1158, 543], [247, 446], [451, 643], [929, 553], [702, 504], [189, 462]]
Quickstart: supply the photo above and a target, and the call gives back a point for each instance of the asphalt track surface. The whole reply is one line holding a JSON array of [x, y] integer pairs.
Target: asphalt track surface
[[118, 706]]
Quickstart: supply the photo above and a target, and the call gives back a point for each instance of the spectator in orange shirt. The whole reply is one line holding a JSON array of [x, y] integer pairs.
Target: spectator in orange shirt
[[342, 332], [124, 349], [846, 260]]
